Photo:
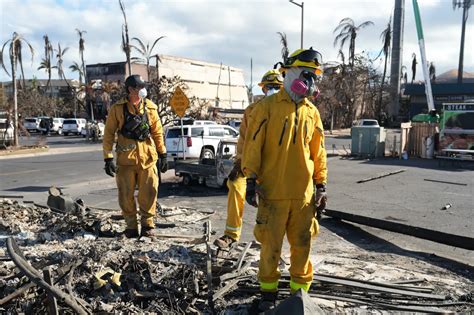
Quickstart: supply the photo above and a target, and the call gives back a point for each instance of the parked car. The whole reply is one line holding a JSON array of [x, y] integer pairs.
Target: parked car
[[198, 141], [88, 131], [57, 126], [190, 121], [31, 124], [6, 132], [73, 126], [365, 123], [235, 124]]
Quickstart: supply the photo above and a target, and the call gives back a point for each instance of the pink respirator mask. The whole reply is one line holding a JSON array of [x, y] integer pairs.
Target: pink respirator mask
[[299, 87]]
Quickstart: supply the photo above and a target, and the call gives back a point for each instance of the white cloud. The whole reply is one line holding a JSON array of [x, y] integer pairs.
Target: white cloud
[[229, 31]]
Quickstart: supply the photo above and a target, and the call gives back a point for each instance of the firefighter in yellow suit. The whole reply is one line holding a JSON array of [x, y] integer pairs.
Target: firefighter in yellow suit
[[285, 163], [139, 145], [271, 83]]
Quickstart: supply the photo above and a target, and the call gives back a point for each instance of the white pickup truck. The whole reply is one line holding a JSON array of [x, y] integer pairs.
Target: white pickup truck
[[197, 141], [211, 172]]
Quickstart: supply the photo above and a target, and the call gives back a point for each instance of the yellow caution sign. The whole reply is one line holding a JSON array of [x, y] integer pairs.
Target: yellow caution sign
[[179, 102]]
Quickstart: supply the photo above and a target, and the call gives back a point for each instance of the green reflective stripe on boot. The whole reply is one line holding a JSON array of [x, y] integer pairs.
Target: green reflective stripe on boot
[[269, 286], [294, 286]]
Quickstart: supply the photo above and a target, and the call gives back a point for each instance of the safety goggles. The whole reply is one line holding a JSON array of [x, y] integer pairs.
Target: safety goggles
[[272, 77], [273, 86], [309, 75], [308, 55]]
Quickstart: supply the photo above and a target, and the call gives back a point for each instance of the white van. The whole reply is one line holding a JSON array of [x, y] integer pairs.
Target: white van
[[73, 126], [198, 141]]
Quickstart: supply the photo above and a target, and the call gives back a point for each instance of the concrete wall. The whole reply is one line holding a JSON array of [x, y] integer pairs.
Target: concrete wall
[[223, 86], [204, 82]]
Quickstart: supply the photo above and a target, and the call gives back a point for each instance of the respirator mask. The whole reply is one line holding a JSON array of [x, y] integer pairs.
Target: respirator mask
[[300, 82]]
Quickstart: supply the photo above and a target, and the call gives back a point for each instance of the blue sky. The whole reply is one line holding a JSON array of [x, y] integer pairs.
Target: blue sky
[[228, 31]]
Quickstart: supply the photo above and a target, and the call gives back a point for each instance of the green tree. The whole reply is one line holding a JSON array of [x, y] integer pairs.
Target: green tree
[[75, 67], [15, 55], [348, 32], [146, 52]]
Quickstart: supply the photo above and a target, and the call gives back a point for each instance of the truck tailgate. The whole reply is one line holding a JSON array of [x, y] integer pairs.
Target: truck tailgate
[[194, 167]]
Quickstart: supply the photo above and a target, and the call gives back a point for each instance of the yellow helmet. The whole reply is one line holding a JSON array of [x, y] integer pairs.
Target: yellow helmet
[[271, 77], [308, 58]]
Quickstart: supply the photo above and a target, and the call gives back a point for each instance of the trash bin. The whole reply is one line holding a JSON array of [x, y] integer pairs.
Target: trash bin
[[368, 141]]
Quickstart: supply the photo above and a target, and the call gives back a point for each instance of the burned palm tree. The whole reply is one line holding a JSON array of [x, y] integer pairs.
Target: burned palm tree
[[15, 55], [284, 49], [60, 62], [157, 66], [146, 52], [125, 39], [386, 37], [413, 67], [81, 54], [432, 72], [348, 32], [46, 63]]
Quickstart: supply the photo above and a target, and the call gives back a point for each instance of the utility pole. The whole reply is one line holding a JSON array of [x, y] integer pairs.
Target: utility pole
[[251, 81], [465, 5], [396, 62], [301, 5]]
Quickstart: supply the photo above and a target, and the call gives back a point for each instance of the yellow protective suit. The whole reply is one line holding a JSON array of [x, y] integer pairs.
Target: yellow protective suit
[[285, 148], [136, 162], [237, 187]]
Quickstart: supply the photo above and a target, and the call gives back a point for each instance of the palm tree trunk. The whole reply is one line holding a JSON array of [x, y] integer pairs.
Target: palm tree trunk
[[461, 51], [15, 100], [148, 69], [379, 111], [49, 84], [22, 75], [83, 68]]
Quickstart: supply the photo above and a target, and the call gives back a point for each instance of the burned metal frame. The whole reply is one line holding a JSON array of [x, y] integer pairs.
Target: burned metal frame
[[427, 234]]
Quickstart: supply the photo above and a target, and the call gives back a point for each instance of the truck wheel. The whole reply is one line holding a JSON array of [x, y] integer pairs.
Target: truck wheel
[[207, 154], [187, 180]]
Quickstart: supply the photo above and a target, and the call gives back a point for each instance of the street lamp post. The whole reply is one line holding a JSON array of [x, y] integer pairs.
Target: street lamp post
[[301, 5]]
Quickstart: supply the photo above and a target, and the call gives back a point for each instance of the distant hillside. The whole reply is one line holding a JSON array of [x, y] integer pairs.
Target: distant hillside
[[452, 76]]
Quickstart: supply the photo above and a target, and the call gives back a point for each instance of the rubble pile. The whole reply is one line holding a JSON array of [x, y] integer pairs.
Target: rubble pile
[[94, 269], [102, 270]]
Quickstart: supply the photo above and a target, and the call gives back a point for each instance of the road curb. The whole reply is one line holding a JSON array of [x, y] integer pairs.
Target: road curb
[[22, 152], [49, 151]]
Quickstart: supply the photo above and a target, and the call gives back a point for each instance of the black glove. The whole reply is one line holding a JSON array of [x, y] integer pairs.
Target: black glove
[[320, 199], [253, 192], [110, 168], [236, 170], [163, 163]]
